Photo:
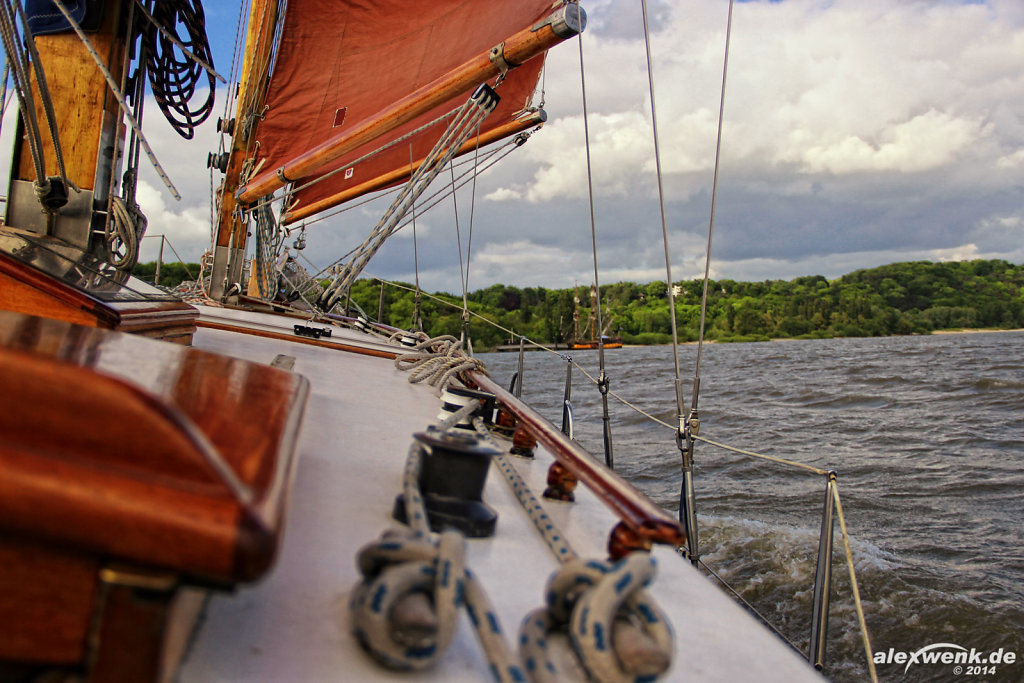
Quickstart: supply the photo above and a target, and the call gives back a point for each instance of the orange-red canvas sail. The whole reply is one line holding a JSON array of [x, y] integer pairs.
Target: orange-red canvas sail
[[341, 62]]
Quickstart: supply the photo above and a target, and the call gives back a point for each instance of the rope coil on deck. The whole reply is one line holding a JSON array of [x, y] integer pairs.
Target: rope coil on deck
[[595, 602], [437, 361], [616, 630], [406, 566]]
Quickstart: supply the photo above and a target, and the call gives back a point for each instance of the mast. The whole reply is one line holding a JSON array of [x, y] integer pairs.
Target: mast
[[231, 231], [89, 131], [517, 49]]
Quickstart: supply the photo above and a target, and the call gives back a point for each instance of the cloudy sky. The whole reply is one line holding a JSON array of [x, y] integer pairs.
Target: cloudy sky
[[857, 133]]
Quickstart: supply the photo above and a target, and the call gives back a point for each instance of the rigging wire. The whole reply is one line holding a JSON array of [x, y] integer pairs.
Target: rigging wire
[[664, 221], [417, 319], [598, 332], [44, 93], [423, 205], [23, 89], [474, 110], [711, 222], [685, 427]]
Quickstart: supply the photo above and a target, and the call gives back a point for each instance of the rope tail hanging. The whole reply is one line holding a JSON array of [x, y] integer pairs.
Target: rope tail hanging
[[477, 107]]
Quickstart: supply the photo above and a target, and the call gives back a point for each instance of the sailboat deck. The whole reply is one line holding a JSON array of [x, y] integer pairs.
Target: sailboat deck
[[359, 423]]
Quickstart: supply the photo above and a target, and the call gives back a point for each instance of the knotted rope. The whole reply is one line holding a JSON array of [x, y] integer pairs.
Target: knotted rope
[[405, 609], [616, 630], [604, 608], [437, 361]]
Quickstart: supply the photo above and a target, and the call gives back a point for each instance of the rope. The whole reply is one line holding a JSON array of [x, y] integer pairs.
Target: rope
[[405, 609], [44, 94], [174, 80], [128, 227], [22, 88], [865, 638], [417, 317], [476, 108], [616, 630], [664, 221], [268, 241], [437, 361], [200, 25]]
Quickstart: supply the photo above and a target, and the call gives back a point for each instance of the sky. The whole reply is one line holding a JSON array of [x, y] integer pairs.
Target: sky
[[857, 133]]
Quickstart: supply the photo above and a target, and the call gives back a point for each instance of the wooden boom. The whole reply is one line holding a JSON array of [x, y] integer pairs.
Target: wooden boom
[[400, 174], [567, 22]]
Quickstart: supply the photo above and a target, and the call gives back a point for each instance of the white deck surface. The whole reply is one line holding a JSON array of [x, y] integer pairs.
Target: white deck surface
[[293, 626]]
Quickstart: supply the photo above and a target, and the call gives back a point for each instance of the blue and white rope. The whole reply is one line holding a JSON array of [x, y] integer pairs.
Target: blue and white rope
[[592, 600], [403, 562]]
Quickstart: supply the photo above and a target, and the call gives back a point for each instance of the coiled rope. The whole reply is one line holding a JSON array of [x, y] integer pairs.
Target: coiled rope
[[174, 79], [129, 224], [437, 361], [616, 630], [404, 611]]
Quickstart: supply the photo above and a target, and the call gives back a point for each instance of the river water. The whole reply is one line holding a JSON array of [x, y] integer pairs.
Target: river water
[[926, 434]]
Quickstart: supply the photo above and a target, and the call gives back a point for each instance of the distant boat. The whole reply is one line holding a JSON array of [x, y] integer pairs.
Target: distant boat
[[587, 339]]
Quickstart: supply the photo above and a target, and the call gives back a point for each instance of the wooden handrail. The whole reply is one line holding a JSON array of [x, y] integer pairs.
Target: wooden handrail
[[519, 48], [642, 515]]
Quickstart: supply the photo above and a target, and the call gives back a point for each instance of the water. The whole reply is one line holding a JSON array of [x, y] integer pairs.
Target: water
[[927, 437]]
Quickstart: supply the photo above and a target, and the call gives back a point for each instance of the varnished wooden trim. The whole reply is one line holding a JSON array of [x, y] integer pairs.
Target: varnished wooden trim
[[284, 336]]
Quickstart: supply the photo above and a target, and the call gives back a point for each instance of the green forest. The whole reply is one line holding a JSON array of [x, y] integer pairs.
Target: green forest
[[902, 298]]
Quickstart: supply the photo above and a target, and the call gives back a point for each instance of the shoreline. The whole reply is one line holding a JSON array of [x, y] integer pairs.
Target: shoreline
[[976, 330]]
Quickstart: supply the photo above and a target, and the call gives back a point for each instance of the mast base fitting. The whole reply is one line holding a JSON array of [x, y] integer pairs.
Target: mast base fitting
[[453, 471]]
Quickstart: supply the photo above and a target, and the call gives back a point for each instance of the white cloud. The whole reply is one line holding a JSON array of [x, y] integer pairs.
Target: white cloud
[[503, 194], [832, 87], [920, 144], [1014, 160]]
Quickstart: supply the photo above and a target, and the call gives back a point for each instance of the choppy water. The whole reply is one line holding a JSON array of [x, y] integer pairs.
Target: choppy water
[[926, 434]]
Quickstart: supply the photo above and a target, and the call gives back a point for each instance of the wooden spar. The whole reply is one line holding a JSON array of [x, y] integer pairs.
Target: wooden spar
[[565, 23], [262, 18], [229, 231], [398, 175], [637, 511]]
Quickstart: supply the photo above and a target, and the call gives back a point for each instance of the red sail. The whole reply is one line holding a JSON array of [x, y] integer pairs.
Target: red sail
[[339, 63]]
